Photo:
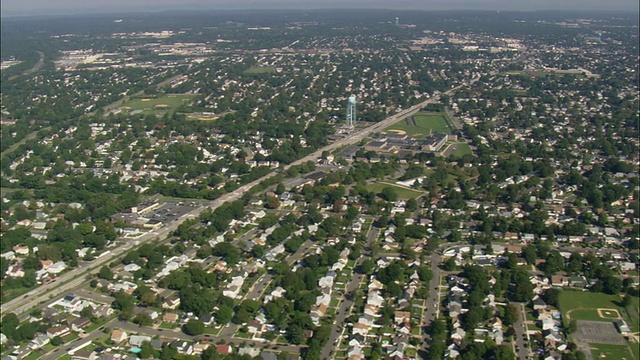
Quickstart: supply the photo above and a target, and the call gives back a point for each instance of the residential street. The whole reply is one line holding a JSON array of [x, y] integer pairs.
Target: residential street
[[521, 337], [347, 300]]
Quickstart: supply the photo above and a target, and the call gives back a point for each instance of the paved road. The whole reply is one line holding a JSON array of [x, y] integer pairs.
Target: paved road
[[455, 122], [35, 68], [347, 301], [257, 290], [521, 342], [169, 335], [432, 310], [101, 298], [433, 303], [77, 277], [131, 328], [65, 348]]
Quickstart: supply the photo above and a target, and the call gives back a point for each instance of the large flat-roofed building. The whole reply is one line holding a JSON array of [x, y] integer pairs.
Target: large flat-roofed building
[[396, 143], [434, 142], [396, 136], [375, 145]]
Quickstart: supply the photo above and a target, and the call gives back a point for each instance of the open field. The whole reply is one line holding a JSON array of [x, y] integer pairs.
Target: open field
[[436, 122], [202, 117], [595, 307], [148, 105], [618, 352], [260, 70], [586, 314], [609, 313], [422, 124], [207, 116], [579, 73], [462, 150], [403, 193], [570, 300]]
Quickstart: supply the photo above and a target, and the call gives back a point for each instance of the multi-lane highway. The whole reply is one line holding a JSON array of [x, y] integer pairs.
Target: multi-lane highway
[[77, 277]]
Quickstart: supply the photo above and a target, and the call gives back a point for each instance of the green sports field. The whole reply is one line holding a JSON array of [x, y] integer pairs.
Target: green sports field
[[462, 150], [147, 105], [403, 193], [422, 124], [617, 352], [584, 305], [260, 70]]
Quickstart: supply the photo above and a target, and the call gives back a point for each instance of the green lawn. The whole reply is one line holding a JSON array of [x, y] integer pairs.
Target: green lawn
[[167, 326], [462, 150], [570, 300], [436, 122], [584, 305], [147, 105], [403, 193], [587, 314], [617, 352], [530, 317], [48, 348], [260, 70], [34, 355], [426, 123], [212, 330], [411, 353], [10, 294], [542, 73], [242, 335]]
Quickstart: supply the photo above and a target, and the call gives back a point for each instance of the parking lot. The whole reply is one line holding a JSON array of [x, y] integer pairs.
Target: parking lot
[[170, 211], [599, 332]]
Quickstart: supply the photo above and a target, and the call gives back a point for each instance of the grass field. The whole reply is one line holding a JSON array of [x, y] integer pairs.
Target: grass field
[[618, 352], [200, 117], [570, 300], [436, 122], [587, 314], [260, 70], [34, 355], [584, 305], [147, 105], [426, 123], [403, 193], [610, 314], [462, 150]]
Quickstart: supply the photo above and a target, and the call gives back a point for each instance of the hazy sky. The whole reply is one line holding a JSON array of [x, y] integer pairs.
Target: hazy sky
[[25, 7]]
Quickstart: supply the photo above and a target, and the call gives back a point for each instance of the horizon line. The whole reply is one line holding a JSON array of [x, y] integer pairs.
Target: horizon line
[[196, 7]]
